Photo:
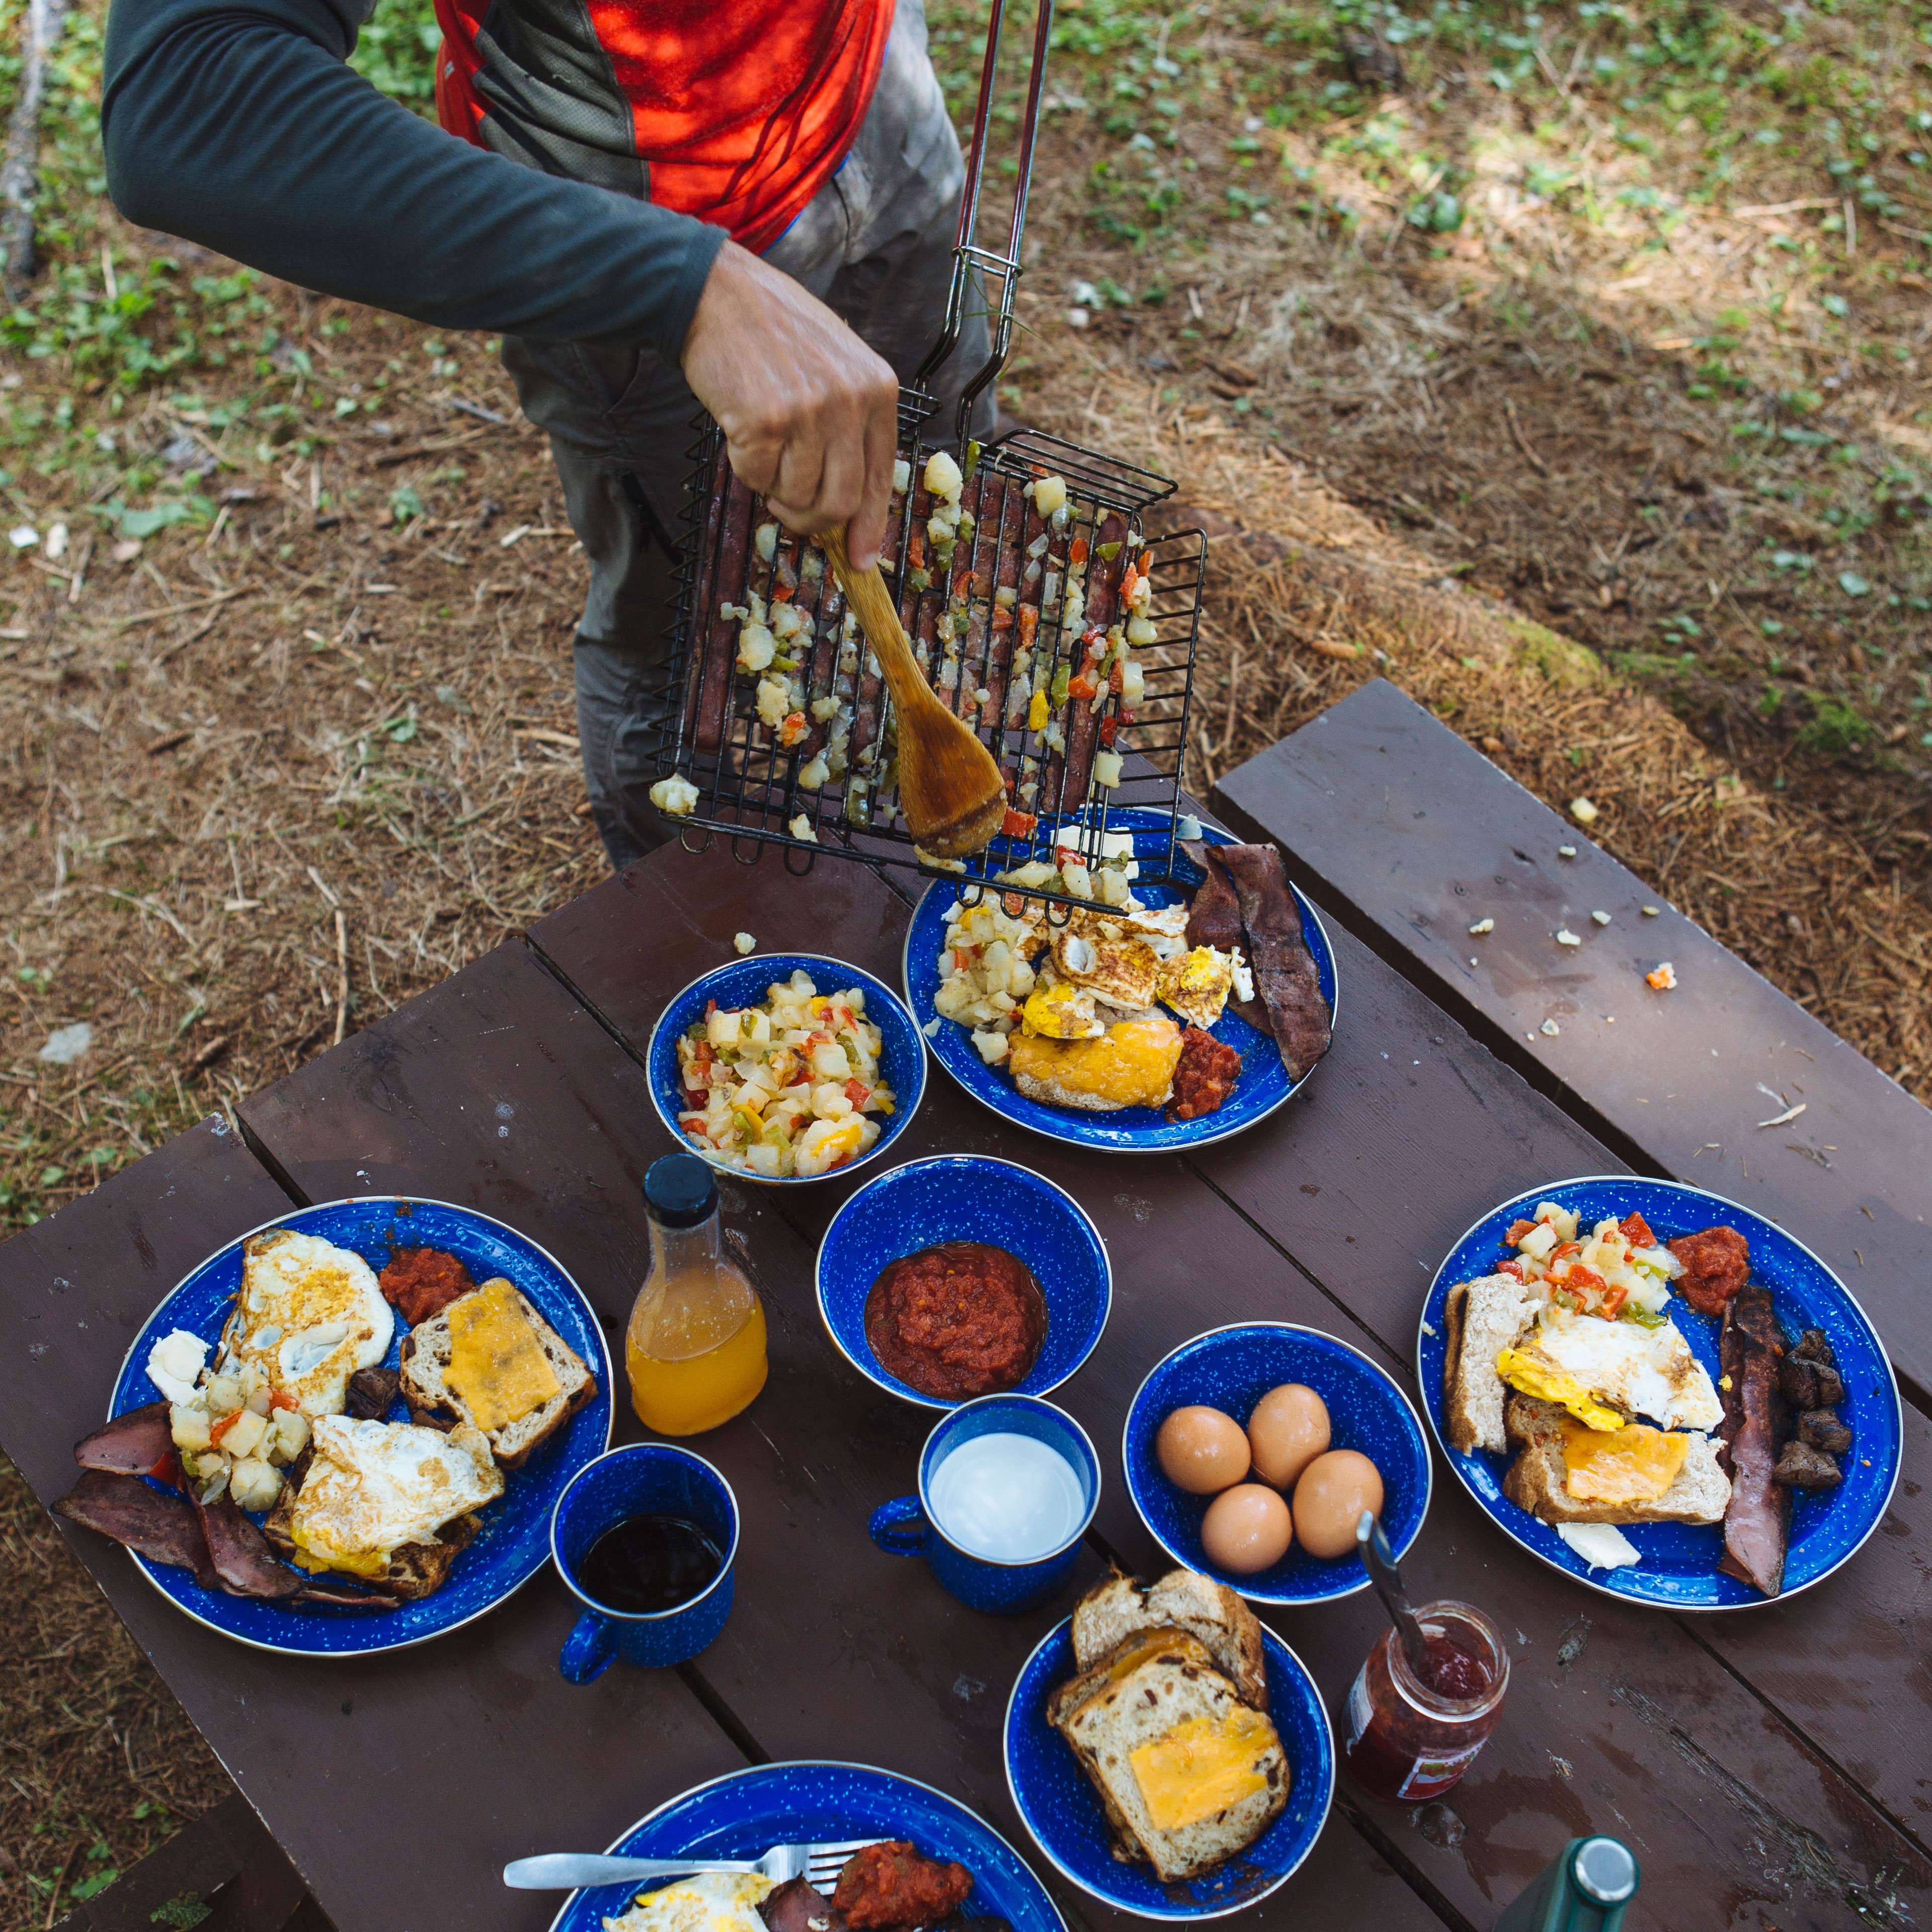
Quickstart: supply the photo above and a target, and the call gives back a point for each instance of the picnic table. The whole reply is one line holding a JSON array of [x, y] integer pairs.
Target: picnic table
[[1772, 1769]]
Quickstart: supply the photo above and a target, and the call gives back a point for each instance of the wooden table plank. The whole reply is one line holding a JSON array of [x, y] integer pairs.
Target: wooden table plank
[[1418, 837], [833, 1649], [1366, 1127], [460, 1717]]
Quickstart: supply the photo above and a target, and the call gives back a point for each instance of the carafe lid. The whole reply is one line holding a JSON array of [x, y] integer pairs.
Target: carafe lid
[[679, 1191]]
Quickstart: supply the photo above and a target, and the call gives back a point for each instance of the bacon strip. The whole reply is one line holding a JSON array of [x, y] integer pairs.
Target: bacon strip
[[1286, 979], [717, 652], [701, 609], [164, 1528], [135, 1444], [1757, 1520], [1069, 772]]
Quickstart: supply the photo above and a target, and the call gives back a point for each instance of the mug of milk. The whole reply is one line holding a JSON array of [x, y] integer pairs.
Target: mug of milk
[[1007, 1486]]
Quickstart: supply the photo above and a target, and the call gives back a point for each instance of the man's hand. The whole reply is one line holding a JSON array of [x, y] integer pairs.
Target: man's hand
[[810, 414]]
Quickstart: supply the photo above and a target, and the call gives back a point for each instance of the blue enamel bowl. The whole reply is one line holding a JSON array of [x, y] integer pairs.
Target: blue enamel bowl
[[1677, 1565], [1264, 1084], [960, 1197], [748, 983], [744, 1814], [1231, 1370], [514, 1543], [1063, 1810]]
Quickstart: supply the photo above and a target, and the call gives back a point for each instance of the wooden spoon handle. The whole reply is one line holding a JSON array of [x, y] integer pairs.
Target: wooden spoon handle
[[871, 603]]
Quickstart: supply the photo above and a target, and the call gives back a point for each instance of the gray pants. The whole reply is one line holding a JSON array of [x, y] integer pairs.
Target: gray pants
[[875, 244]]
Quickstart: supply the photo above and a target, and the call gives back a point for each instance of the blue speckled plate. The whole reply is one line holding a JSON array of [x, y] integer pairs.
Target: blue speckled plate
[[1264, 1084], [514, 1541], [748, 983], [967, 1198], [1678, 1569], [1062, 1811], [744, 1815], [1231, 1370]]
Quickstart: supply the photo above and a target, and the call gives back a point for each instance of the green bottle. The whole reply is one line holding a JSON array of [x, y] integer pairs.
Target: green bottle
[[1584, 1888]]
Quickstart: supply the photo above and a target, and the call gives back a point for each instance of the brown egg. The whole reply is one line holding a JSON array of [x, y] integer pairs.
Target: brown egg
[[1201, 1450], [1287, 1430], [1247, 1529], [1333, 1491]]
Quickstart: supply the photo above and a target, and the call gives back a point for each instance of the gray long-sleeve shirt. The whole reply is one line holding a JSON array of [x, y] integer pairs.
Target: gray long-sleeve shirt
[[236, 124]]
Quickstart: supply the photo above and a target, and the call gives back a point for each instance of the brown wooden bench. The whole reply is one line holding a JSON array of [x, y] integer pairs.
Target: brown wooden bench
[[225, 1863], [1410, 836]]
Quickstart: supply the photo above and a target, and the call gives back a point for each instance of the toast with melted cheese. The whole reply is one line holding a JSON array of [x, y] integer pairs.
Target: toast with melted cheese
[[491, 1361]]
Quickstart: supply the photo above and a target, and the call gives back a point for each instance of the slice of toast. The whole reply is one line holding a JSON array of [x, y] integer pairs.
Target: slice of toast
[[1137, 1697], [426, 1354], [1479, 1318], [1120, 1607], [1536, 1479]]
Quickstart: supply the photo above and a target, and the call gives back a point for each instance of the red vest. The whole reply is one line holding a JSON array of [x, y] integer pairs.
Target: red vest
[[740, 110]]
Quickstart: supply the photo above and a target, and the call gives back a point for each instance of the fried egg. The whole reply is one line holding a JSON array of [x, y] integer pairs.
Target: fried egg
[[1640, 1370], [309, 1315], [372, 1486], [1121, 969], [1056, 1010], [706, 1902], [1197, 984]]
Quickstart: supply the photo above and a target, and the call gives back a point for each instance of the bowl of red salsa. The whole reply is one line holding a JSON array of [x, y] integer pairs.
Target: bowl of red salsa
[[961, 1276]]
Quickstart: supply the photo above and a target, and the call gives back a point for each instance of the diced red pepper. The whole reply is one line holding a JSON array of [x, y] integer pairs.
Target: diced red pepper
[[1081, 686], [1513, 1268], [781, 593], [710, 1007], [1015, 904], [962, 958], [1002, 618], [1129, 579], [1018, 824], [1635, 1230], [1108, 726], [1566, 1248], [1126, 717], [1614, 1299], [916, 549], [1029, 623], [1581, 1276], [222, 1427], [857, 1092], [1517, 1229], [168, 1469], [281, 1398], [798, 1078], [1076, 552]]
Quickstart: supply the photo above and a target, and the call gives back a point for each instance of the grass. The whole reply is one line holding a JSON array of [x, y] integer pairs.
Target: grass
[[1609, 324]]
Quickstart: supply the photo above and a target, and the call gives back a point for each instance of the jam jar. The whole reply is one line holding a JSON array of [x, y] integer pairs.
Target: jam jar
[[1410, 1736]]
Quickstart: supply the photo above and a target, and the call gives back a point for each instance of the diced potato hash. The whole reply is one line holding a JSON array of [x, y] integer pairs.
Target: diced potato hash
[[784, 1089]]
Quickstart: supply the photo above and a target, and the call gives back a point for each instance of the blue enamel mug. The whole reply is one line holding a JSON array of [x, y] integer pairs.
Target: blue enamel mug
[[641, 1479], [1001, 1528]]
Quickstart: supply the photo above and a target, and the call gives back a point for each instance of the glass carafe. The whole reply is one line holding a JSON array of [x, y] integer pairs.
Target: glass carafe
[[695, 1347]]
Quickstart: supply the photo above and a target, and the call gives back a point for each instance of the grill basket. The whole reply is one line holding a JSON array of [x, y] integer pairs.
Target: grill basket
[[748, 781]]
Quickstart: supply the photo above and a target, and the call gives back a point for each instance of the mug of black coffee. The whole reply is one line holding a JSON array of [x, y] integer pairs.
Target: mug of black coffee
[[645, 1536]]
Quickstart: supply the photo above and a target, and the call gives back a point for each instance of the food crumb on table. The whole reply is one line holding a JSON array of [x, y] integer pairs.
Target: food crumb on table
[[1651, 912], [1564, 937], [1551, 1028], [1664, 979], [1566, 851], [1483, 925], [743, 942], [1602, 918]]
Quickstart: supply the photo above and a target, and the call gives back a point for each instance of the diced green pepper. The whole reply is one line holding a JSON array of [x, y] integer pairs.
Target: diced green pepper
[[1062, 678], [1109, 551], [972, 462], [920, 579]]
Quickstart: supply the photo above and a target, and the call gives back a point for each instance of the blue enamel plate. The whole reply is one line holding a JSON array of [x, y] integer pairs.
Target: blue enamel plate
[[514, 1541], [967, 1197], [748, 983], [1231, 1370], [1063, 1810], [1263, 1083], [1678, 1562], [744, 1814]]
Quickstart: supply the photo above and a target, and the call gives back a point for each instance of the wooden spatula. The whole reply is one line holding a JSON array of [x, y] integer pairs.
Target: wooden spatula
[[949, 786]]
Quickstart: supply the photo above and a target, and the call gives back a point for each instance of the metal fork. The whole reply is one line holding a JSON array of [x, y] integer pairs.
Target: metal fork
[[566, 1871]]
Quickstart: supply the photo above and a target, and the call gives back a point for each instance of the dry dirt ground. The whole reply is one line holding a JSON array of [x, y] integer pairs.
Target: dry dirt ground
[[1586, 325]]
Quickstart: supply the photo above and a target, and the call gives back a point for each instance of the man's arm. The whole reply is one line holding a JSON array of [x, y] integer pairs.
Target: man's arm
[[236, 124]]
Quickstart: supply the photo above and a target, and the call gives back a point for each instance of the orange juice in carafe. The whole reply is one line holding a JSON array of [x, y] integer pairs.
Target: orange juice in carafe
[[695, 1347]]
